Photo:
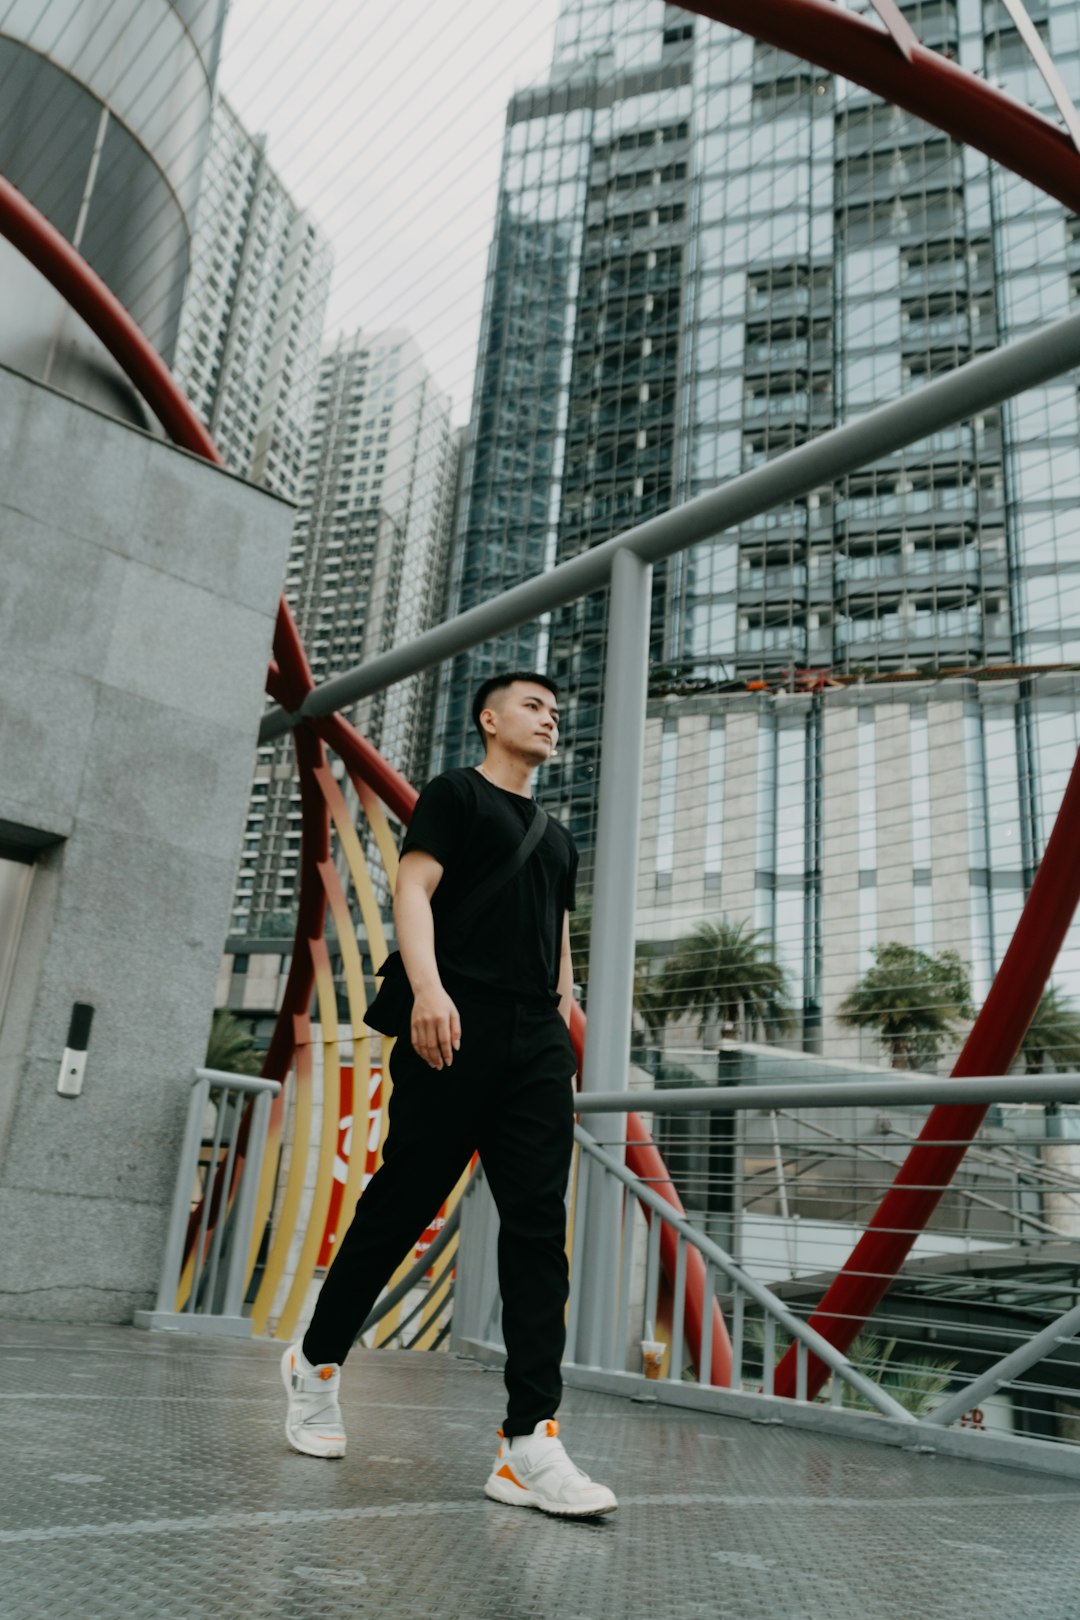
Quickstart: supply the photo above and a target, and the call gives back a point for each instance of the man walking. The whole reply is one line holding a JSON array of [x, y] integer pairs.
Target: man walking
[[483, 1062]]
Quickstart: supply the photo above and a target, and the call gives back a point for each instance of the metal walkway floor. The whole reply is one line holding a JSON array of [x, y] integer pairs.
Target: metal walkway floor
[[149, 1476]]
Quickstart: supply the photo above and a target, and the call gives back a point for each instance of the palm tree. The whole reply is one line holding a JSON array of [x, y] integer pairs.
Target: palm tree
[[913, 1002], [726, 974], [1053, 1036], [231, 1047]]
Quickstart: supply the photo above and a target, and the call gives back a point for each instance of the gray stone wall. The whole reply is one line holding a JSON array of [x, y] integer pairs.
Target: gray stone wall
[[138, 589]]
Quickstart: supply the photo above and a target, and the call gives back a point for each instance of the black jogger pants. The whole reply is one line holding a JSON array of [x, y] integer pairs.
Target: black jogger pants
[[508, 1094]]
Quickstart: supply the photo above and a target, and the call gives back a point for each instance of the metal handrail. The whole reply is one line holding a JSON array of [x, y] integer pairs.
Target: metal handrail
[[989, 1089], [742, 1282], [416, 1273], [978, 385], [222, 1301], [1014, 1089]]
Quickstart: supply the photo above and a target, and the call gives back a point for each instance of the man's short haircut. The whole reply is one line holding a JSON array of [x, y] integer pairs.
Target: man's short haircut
[[496, 683]]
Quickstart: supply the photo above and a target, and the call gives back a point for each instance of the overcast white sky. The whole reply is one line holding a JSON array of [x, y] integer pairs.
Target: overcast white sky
[[385, 119]]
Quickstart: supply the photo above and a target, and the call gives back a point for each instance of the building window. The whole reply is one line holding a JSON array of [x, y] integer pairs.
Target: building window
[[866, 834], [667, 804], [714, 804], [922, 908], [16, 876]]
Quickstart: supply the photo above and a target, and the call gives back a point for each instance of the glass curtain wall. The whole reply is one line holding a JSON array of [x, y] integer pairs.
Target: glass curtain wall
[[512, 479], [707, 252]]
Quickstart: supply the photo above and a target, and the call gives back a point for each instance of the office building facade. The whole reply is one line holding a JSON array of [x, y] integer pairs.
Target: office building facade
[[708, 252], [254, 307], [367, 571], [835, 820]]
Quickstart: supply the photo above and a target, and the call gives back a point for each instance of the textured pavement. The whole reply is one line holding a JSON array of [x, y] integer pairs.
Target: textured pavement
[[145, 1475]]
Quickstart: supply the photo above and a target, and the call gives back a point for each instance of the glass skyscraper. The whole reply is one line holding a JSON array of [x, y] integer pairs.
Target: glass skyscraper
[[707, 252]]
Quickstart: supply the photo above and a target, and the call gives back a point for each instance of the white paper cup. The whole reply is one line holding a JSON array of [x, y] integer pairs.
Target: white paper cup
[[652, 1357]]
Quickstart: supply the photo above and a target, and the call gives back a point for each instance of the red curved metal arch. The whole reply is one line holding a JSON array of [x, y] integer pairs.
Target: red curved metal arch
[[54, 257], [928, 84]]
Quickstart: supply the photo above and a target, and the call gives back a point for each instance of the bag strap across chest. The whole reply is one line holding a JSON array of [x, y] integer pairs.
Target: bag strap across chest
[[474, 903]]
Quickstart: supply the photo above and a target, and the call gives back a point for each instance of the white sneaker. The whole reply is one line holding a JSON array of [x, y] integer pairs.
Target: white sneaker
[[313, 1422], [534, 1471]]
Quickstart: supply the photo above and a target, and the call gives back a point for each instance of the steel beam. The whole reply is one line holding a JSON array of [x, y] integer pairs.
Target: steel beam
[[1061, 1331], [774, 1309], [1041, 1088], [977, 386], [611, 947]]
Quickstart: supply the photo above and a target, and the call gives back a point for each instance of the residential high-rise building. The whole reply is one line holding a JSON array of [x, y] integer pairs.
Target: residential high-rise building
[[707, 252], [253, 312], [367, 571]]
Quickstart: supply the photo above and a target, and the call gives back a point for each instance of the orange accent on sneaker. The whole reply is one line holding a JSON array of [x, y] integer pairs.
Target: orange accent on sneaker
[[326, 1372], [506, 1472], [552, 1428]]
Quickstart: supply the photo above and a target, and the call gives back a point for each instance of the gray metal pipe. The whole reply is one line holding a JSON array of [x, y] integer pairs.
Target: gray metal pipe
[[1062, 1331], [977, 386], [775, 1310], [240, 1082], [611, 948], [1043, 1088]]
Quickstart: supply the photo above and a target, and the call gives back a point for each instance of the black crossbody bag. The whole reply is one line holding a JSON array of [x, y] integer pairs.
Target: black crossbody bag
[[392, 1007]]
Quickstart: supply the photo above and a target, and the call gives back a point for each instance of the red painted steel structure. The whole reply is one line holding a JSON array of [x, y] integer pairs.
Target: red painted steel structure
[[926, 84], [933, 88]]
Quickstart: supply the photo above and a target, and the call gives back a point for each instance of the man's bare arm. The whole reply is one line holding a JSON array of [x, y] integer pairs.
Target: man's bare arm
[[435, 1029]]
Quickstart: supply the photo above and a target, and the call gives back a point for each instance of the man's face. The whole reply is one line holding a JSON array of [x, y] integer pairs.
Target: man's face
[[525, 718]]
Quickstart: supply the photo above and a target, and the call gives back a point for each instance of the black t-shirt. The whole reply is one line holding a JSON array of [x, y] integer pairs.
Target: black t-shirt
[[472, 827]]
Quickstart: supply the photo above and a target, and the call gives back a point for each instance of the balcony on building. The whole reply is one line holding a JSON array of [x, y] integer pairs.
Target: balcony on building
[[954, 507], [905, 566], [929, 172], [789, 293]]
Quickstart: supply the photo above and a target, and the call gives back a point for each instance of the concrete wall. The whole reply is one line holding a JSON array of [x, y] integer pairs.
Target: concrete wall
[[138, 588]]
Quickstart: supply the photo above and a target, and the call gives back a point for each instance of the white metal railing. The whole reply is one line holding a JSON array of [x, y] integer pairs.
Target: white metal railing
[[949, 1378], [219, 1170]]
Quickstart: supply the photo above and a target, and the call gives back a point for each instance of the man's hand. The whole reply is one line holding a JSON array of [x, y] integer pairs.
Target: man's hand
[[435, 1028]]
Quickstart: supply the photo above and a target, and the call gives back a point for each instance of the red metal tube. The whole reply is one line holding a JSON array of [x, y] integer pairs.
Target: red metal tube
[[928, 84], [293, 676], [54, 257], [395, 791]]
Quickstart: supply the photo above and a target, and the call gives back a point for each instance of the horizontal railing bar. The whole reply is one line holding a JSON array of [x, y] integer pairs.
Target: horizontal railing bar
[[238, 1082], [445, 1275], [762, 1296], [979, 385], [1041, 1088], [1027, 1355]]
